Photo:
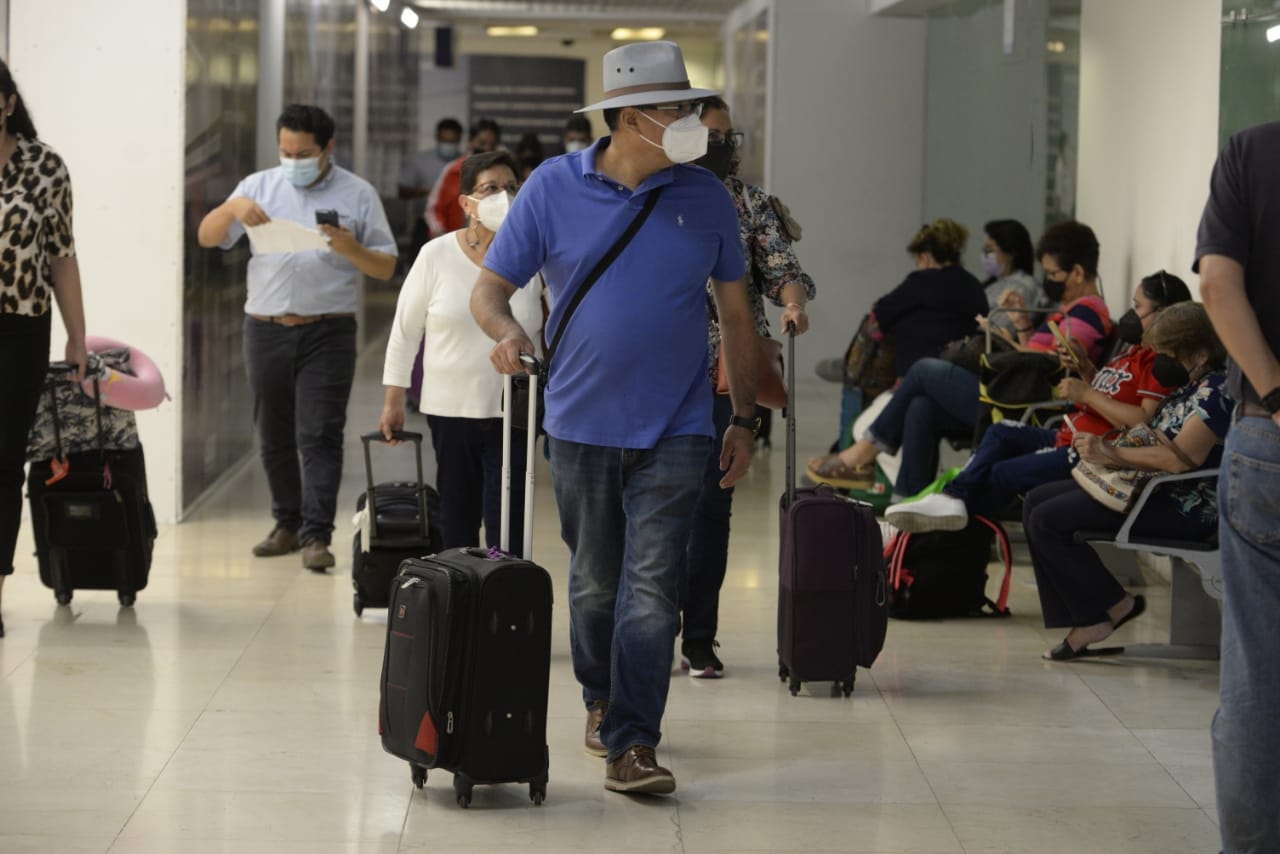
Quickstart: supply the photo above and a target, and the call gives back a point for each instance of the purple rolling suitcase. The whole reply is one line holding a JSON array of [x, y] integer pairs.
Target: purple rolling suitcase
[[832, 586]]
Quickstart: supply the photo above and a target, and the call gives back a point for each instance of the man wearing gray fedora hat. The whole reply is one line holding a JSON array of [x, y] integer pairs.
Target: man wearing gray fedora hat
[[628, 417]]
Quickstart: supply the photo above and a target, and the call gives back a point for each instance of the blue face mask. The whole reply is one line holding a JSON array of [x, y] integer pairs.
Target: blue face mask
[[448, 150], [302, 171]]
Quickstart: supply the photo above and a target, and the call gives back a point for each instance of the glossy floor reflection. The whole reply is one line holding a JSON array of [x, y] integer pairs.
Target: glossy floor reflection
[[234, 710]]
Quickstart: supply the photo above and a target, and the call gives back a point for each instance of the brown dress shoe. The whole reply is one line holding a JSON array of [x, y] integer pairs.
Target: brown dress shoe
[[595, 716], [316, 555], [280, 541], [637, 771]]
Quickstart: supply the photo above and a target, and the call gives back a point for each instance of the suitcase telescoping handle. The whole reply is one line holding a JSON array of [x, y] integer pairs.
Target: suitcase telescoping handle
[[791, 413], [531, 440], [421, 492]]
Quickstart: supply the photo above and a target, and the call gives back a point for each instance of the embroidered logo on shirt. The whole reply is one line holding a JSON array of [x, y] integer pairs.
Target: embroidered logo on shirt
[[680, 220]]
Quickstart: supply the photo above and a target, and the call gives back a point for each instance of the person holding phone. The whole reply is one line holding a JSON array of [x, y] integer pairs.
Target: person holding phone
[[300, 323]]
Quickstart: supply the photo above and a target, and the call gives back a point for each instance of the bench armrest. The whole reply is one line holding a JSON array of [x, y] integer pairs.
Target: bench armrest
[[1200, 474]]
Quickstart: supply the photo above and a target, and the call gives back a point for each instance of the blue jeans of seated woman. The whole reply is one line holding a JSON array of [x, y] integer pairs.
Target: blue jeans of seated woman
[[935, 399], [1246, 742], [1011, 459], [625, 515]]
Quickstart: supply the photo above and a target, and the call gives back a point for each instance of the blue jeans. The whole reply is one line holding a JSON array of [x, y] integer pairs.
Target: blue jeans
[[1010, 460], [709, 542], [625, 515], [300, 378], [469, 478], [1246, 743], [935, 399]]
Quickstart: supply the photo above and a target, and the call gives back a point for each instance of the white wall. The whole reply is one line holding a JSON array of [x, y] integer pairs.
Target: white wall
[[847, 114], [1149, 75], [105, 85]]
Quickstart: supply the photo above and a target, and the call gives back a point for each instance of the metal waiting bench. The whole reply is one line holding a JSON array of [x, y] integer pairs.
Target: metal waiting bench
[[1195, 621]]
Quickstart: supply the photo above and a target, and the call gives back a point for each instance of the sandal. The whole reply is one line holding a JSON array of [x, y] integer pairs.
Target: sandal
[[1065, 652], [832, 470], [1139, 606]]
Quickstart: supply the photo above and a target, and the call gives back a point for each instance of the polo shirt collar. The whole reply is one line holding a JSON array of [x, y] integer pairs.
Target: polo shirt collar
[[588, 155]]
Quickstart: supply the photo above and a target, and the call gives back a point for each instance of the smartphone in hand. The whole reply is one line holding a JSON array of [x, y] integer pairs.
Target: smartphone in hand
[[327, 217]]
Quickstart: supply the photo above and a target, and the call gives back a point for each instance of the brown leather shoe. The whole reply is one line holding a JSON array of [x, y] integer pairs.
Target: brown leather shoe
[[280, 541], [316, 555], [637, 771], [595, 716]]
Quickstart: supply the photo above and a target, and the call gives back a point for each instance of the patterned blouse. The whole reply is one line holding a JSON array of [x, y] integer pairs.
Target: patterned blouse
[[35, 209], [771, 263], [1207, 400]]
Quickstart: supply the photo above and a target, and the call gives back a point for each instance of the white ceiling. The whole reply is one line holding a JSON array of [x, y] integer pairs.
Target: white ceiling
[[691, 13]]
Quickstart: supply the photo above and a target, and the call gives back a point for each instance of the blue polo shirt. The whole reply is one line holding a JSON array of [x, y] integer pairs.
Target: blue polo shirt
[[631, 367]]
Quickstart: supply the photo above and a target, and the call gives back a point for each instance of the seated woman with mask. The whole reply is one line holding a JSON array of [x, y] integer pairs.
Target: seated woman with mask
[[938, 398], [1013, 458], [1077, 591]]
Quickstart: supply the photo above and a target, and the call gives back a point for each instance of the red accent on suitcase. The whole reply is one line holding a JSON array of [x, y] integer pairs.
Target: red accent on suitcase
[[427, 741]]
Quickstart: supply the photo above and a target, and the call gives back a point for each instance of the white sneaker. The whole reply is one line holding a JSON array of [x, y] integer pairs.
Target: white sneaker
[[937, 512]]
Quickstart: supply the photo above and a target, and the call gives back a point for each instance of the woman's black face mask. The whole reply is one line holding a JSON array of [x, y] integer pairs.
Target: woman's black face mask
[[1054, 290], [719, 158], [1129, 327], [1169, 372]]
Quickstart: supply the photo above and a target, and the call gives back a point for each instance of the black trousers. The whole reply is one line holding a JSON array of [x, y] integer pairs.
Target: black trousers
[[1076, 588], [24, 355], [708, 554], [300, 378], [469, 479]]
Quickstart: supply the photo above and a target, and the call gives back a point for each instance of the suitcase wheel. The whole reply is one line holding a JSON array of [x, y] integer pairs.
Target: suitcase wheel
[[419, 774], [783, 672], [462, 787], [63, 597], [127, 599], [357, 604], [795, 686], [537, 793]]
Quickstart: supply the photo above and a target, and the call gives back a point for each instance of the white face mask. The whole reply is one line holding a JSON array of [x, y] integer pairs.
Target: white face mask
[[492, 210], [683, 141], [574, 145]]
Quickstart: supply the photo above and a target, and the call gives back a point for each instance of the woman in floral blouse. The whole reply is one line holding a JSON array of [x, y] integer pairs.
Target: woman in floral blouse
[[774, 273], [37, 266], [1076, 590]]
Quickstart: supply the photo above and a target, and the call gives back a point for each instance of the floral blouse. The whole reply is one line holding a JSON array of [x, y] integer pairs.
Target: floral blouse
[[771, 263], [35, 209], [1209, 401]]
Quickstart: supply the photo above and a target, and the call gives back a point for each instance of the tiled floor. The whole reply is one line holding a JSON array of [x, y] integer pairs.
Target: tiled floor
[[234, 710]]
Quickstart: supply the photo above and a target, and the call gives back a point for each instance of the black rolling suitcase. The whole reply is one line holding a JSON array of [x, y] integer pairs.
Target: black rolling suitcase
[[467, 664], [833, 587], [94, 527], [401, 525]]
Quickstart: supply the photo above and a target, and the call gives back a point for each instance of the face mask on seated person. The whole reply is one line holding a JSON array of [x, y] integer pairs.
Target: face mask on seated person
[[1169, 372], [1129, 327], [1054, 290], [991, 265]]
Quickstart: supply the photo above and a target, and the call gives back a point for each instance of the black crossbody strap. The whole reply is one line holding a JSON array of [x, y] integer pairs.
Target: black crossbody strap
[[598, 270]]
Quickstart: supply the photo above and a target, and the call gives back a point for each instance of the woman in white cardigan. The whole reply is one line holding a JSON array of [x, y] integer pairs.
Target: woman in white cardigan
[[461, 393]]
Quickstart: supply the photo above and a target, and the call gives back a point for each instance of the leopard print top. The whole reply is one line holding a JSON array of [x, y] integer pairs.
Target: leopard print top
[[35, 226]]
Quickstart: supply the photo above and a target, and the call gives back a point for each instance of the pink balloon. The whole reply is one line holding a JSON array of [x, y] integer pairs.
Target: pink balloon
[[143, 390]]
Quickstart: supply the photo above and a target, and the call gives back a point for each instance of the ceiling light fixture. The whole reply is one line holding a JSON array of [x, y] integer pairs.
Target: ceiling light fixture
[[380, 5], [1273, 33], [409, 18], [502, 32], [624, 34], [1056, 47]]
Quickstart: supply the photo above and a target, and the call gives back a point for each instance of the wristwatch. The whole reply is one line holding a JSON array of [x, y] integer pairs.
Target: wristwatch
[[1271, 401], [752, 424]]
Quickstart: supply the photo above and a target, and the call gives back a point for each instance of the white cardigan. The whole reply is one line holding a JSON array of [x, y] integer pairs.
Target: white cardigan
[[458, 380]]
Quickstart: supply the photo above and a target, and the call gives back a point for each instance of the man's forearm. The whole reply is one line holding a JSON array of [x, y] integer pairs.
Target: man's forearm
[[378, 265], [1225, 299], [215, 226], [491, 306]]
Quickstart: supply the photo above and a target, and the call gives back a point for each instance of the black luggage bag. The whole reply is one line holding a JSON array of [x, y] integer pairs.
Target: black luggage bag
[[832, 585], [467, 665], [94, 528], [402, 525]]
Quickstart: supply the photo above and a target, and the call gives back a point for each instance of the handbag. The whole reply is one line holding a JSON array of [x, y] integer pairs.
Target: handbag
[[69, 420], [967, 352], [771, 389], [868, 363], [520, 390], [1117, 488]]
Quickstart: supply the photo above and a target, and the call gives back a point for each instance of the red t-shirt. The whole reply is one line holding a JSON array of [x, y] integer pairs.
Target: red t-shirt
[[1126, 378]]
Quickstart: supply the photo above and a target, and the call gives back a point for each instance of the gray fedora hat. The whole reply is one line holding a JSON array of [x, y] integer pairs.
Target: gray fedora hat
[[646, 73]]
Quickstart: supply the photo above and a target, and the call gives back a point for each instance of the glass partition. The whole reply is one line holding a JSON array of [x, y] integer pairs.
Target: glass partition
[[1250, 83]]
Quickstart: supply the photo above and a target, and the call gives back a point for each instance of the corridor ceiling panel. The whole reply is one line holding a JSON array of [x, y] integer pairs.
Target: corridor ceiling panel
[[703, 12]]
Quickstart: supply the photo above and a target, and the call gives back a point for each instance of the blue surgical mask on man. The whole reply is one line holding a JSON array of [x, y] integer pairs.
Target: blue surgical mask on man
[[301, 171]]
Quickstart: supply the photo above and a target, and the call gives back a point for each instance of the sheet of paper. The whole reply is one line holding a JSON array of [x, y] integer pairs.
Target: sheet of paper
[[282, 235]]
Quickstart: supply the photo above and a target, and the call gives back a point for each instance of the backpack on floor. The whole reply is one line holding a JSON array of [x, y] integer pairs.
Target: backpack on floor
[[944, 573]]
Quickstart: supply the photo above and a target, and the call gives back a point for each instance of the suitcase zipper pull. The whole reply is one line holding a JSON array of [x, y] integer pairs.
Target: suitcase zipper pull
[[448, 728], [411, 582]]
